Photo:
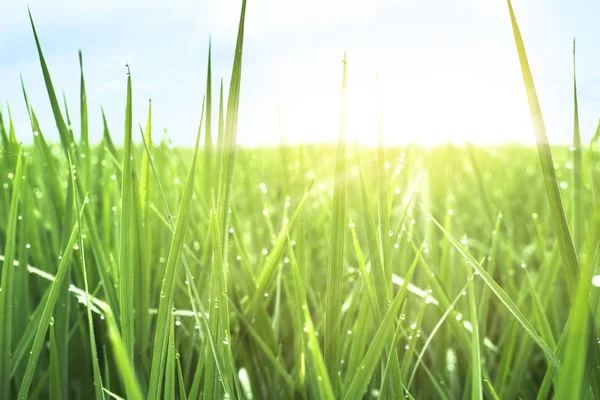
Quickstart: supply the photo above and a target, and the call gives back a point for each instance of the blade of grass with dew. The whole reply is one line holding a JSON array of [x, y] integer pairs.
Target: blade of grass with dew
[[168, 282], [209, 167], [170, 368], [145, 278], [577, 171], [366, 275], [83, 117], [220, 130], [106, 138], [67, 142], [53, 368], [561, 228], [432, 334], [384, 205], [318, 376], [502, 295], [220, 315], [95, 362], [180, 381], [50, 180], [126, 267], [361, 378], [61, 319], [27, 337], [567, 248], [229, 139], [269, 269], [334, 292], [54, 290], [66, 138], [361, 332], [476, 375], [411, 339], [398, 333], [7, 284], [381, 281], [193, 292], [126, 372], [573, 384]]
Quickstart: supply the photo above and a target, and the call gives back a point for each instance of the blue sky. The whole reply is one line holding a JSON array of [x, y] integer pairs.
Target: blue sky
[[448, 70]]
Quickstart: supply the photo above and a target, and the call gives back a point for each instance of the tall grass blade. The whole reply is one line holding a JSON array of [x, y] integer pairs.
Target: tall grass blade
[[334, 294], [83, 116], [7, 283], [577, 177], [65, 134], [168, 282], [565, 243], [46, 319], [126, 267]]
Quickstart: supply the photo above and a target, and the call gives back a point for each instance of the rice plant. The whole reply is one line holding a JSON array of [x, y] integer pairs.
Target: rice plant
[[306, 271]]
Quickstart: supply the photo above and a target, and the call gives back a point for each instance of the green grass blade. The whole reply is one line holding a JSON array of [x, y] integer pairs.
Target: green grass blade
[[334, 294], [42, 328], [577, 171], [63, 131], [358, 384], [53, 369], [83, 117], [168, 282], [501, 294], [476, 375], [92, 338], [146, 253], [209, 176], [180, 382], [321, 385], [384, 205], [566, 246], [567, 250], [230, 134], [126, 267], [170, 368], [7, 283], [574, 383]]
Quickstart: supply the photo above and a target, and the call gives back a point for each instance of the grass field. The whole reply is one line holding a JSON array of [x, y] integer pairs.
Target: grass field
[[297, 271]]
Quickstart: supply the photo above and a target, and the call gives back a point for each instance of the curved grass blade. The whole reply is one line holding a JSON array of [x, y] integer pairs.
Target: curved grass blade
[[65, 134], [577, 171], [565, 243]]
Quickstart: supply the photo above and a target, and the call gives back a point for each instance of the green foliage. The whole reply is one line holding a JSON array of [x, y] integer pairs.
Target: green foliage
[[296, 272]]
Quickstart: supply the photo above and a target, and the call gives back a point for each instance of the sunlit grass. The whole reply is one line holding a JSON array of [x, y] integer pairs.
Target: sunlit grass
[[305, 271]]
